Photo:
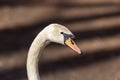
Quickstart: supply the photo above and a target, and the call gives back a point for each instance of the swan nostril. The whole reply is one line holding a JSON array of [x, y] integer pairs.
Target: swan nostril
[[72, 42]]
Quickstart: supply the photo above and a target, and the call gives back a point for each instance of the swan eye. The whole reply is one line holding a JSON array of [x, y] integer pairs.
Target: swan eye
[[61, 32]]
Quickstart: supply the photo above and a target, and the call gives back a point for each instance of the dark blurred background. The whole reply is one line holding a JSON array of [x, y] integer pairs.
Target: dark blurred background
[[96, 24]]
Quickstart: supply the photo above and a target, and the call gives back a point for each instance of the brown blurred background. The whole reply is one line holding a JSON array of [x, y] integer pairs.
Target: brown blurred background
[[96, 24]]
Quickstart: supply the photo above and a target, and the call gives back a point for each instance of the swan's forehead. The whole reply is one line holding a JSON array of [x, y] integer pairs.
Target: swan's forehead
[[61, 28]]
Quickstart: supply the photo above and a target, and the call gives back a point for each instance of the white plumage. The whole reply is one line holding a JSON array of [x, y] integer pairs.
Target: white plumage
[[51, 33]]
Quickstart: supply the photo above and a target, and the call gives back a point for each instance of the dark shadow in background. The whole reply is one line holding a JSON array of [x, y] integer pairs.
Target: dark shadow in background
[[68, 4], [89, 17], [21, 38], [57, 3]]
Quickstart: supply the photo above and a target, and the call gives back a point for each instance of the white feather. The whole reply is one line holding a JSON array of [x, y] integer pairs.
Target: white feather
[[51, 33]]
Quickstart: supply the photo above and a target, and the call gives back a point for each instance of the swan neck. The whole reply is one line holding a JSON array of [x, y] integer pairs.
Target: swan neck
[[34, 53]]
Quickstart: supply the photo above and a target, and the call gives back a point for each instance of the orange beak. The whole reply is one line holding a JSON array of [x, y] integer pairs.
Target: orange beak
[[70, 43]]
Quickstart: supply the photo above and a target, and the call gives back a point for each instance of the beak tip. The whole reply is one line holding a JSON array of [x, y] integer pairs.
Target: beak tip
[[79, 52]]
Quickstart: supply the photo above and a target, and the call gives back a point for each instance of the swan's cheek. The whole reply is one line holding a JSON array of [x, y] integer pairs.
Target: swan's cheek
[[57, 39]]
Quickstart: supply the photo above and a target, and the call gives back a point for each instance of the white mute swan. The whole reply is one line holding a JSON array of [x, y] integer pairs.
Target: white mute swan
[[52, 33]]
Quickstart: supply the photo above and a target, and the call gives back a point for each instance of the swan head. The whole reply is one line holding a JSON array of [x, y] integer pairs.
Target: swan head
[[60, 34]]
